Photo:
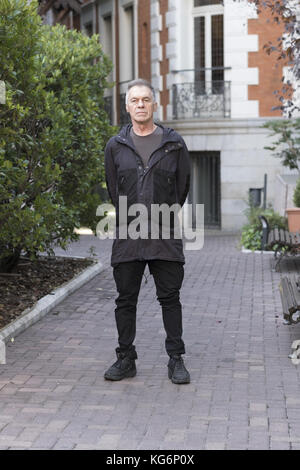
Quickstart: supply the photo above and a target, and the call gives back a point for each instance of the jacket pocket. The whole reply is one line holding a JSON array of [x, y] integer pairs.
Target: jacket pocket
[[164, 187], [171, 147], [127, 185]]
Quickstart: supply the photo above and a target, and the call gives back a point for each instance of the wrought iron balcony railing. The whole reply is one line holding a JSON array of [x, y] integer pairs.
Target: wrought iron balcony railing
[[201, 99]]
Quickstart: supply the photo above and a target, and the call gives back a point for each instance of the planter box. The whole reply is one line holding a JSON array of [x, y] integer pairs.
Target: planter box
[[293, 215]]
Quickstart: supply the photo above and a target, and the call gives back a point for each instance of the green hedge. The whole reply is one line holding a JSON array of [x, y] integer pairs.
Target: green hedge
[[53, 129]]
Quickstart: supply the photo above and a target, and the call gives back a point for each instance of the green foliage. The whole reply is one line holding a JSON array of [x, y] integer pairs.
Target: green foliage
[[251, 238], [296, 196], [287, 145], [252, 231], [53, 129], [78, 79]]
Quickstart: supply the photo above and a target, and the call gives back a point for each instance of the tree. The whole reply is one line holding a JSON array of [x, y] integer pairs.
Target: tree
[[287, 145], [53, 129]]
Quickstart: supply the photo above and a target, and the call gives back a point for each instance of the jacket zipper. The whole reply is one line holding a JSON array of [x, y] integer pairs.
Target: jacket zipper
[[124, 142]]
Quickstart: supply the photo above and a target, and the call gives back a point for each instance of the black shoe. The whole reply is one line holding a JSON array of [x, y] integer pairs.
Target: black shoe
[[177, 371], [124, 367]]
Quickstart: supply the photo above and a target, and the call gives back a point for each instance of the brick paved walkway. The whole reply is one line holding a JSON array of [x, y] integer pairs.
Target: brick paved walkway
[[244, 392]]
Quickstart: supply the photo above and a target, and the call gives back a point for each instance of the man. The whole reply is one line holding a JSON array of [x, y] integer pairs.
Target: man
[[149, 164]]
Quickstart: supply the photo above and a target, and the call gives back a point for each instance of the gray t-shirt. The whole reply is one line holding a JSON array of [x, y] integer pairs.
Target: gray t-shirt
[[146, 144]]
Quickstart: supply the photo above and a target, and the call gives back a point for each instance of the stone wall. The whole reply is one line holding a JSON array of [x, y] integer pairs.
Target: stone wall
[[244, 161]]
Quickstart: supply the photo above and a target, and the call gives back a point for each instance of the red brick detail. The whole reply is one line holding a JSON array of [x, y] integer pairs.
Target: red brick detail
[[144, 45], [270, 68], [164, 64]]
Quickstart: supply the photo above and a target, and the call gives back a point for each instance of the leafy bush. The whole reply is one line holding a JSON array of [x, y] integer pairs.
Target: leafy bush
[[53, 129], [75, 70], [251, 238], [296, 196], [252, 231]]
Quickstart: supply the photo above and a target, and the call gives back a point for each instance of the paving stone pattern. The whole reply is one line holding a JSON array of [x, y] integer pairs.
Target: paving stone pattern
[[244, 392]]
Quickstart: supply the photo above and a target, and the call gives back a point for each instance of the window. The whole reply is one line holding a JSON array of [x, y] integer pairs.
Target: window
[[106, 38], [106, 35], [217, 48], [209, 50], [205, 187], [199, 35], [202, 3], [130, 22], [127, 44]]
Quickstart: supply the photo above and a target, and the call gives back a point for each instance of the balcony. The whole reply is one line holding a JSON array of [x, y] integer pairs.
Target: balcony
[[201, 100], [200, 96]]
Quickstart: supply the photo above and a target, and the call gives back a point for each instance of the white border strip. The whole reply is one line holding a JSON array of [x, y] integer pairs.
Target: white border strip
[[261, 252]]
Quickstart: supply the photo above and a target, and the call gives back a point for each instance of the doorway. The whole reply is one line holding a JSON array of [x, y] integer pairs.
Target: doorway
[[205, 187]]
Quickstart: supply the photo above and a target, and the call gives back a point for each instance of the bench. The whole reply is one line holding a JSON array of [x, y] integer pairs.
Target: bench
[[289, 288], [283, 242]]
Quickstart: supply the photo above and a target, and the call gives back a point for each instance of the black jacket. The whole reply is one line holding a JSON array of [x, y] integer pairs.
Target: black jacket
[[165, 179]]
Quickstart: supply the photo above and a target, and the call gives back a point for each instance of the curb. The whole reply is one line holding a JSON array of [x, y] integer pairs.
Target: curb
[[261, 252], [44, 305]]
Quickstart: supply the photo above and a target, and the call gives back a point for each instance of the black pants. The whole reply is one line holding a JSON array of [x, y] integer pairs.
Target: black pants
[[168, 277]]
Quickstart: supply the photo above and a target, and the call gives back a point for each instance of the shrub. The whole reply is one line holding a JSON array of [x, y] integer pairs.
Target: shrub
[[252, 231], [53, 129], [75, 70]]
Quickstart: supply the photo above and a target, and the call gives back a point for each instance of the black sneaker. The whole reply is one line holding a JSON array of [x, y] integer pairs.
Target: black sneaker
[[177, 371], [124, 367]]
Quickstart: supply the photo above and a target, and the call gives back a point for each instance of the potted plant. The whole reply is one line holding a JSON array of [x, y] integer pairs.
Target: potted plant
[[293, 213]]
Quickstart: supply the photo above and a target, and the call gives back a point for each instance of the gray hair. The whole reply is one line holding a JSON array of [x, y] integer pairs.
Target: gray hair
[[140, 82]]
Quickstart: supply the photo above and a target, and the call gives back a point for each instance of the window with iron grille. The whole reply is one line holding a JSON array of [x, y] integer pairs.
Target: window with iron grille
[[199, 37], [202, 3], [217, 49], [209, 52]]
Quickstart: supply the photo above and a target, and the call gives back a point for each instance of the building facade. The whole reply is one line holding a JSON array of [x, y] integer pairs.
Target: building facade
[[215, 85], [66, 12]]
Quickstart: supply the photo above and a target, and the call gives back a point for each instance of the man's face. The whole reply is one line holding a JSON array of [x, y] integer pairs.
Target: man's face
[[140, 104]]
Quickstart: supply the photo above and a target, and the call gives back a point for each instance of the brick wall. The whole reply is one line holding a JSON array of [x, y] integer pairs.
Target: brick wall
[[144, 46], [270, 69]]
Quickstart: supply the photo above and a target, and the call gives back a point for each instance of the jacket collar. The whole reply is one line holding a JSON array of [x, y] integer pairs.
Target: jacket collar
[[169, 136], [124, 137]]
